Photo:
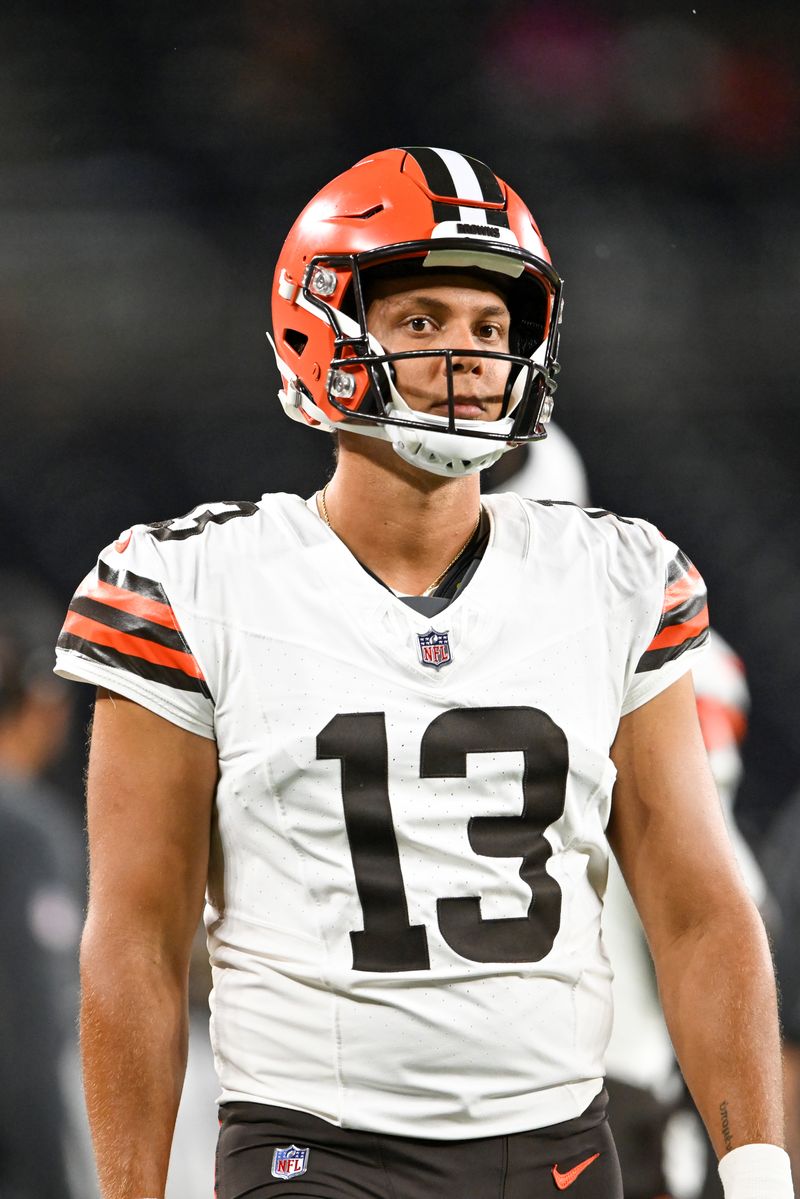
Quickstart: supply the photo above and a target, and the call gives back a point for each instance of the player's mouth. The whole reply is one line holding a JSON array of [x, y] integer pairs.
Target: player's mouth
[[463, 409]]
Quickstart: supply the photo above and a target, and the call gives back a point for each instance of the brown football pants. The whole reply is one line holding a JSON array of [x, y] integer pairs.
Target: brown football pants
[[276, 1153]]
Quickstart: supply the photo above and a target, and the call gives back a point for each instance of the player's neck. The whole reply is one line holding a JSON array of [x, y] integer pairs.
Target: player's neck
[[404, 524]]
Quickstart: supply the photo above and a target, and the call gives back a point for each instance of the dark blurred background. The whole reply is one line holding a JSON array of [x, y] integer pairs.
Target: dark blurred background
[[153, 156]]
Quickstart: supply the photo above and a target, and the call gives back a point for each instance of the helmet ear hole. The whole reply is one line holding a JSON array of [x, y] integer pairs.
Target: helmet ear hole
[[527, 336], [295, 340], [528, 304]]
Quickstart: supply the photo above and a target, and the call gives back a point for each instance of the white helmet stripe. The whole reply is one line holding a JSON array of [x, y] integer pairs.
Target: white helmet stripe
[[466, 184]]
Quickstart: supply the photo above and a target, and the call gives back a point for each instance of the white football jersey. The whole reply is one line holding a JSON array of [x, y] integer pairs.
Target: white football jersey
[[409, 854]]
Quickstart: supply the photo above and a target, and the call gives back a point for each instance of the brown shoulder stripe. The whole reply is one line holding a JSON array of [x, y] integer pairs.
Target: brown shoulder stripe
[[123, 619], [107, 655]]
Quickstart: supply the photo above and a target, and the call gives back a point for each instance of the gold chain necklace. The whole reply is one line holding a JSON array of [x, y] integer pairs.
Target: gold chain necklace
[[430, 589], [432, 586], [324, 507]]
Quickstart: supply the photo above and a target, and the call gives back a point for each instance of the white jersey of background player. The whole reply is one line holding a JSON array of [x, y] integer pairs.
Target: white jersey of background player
[[639, 1051]]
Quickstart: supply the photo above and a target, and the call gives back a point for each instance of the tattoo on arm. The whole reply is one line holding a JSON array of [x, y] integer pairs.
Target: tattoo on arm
[[726, 1128]]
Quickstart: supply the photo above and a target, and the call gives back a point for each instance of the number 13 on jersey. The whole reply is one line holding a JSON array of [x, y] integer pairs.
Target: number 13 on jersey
[[388, 941]]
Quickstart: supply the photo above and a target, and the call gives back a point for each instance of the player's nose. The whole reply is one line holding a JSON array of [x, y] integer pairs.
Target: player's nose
[[463, 340]]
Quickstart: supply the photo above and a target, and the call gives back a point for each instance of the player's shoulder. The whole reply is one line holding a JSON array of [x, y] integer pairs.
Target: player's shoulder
[[602, 520], [184, 552], [590, 525], [218, 521], [211, 526], [623, 553]]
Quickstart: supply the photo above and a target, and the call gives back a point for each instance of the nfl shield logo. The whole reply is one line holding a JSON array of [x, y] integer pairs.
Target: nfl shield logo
[[289, 1163], [434, 649]]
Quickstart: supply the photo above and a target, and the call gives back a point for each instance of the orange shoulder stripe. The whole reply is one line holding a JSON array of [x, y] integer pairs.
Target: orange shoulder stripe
[[129, 601], [126, 643], [677, 633]]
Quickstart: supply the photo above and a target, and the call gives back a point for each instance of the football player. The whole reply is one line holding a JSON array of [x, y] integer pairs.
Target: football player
[[381, 727]]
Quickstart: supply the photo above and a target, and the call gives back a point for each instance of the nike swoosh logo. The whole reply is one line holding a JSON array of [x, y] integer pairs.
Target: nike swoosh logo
[[566, 1179]]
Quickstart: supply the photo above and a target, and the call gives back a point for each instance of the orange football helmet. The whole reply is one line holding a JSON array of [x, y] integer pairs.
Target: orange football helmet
[[405, 211]]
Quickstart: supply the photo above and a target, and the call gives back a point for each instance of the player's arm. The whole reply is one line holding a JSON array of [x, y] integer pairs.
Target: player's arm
[[708, 942], [150, 792]]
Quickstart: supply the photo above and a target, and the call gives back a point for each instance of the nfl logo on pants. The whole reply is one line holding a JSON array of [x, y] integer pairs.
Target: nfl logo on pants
[[289, 1163]]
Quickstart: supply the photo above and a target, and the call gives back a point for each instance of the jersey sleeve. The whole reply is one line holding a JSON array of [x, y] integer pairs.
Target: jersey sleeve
[[672, 647], [124, 631]]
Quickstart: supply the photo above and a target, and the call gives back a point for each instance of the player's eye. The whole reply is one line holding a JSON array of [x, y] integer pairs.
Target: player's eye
[[489, 331], [419, 324]]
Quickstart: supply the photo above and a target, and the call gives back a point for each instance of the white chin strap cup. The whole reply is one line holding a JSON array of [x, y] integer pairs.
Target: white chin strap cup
[[444, 453]]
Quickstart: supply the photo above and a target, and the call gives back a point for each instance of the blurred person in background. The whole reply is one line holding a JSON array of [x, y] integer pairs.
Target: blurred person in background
[[42, 882], [241, 655], [38, 724], [659, 1136]]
